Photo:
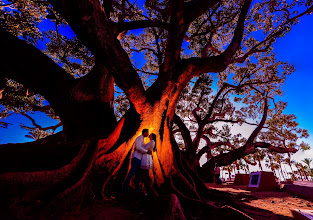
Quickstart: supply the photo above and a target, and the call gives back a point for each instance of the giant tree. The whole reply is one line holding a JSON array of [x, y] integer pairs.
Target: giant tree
[[92, 152]]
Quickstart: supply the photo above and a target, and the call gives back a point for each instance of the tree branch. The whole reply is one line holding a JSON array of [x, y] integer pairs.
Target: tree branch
[[7, 5], [246, 55], [146, 72], [196, 66], [145, 48], [53, 127], [212, 146], [275, 149], [218, 63], [208, 118], [249, 162], [271, 35], [132, 25], [238, 33], [41, 108], [207, 140], [195, 115], [90, 23], [218, 115], [156, 8], [308, 11], [184, 132], [159, 54], [189, 68], [212, 106], [225, 120], [249, 147], [203, 151], [98, 84], [25, 64], [197, 32], [175, 35], [196, 8], [182, 15], [260, 126]]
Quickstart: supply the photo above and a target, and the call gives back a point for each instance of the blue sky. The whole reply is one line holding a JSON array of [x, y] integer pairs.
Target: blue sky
[[296, 47]]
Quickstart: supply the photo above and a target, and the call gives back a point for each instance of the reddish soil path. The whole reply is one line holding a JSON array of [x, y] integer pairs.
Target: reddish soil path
[[265, 205]]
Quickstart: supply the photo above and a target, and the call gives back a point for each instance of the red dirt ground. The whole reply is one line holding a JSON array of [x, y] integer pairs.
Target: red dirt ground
[[274, 205], [270, 205]]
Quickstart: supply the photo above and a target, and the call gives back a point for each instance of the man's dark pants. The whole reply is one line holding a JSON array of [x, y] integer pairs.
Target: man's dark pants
[[217, 179], [134, 170]]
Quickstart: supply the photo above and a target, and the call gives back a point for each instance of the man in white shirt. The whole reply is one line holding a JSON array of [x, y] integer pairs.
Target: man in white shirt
[[136, 161]]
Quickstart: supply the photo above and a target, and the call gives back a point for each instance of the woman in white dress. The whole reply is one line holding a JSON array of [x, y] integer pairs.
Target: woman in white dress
[[147, 164]]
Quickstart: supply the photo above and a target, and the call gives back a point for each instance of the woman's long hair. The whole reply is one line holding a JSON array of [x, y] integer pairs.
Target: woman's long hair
[[154, 138]]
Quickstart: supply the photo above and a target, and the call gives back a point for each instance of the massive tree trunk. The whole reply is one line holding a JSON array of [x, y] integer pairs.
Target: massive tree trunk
[[118, 147]]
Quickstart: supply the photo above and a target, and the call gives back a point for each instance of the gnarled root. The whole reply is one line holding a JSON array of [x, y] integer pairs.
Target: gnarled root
[[200, 209], [47, 193], [193, 199]]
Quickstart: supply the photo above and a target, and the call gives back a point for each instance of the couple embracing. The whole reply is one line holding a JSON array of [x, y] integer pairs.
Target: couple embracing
[[141, 162]]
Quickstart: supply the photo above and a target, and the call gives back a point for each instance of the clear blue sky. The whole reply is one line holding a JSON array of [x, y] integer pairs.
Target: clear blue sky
[[296, 47]]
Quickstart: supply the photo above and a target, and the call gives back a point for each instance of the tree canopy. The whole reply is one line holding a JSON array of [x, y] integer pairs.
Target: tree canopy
[[206, 34]]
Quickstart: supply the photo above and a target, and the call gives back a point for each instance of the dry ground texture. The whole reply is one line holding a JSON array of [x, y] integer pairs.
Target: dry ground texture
[[274, 205], [268, 205]]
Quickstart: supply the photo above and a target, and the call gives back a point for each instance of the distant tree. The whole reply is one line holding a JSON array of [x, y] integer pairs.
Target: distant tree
[[290, 162], [302, 171], [259, 156], [78, 75], [271, 164], [37, 134], [307, 162], [229, 169]]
